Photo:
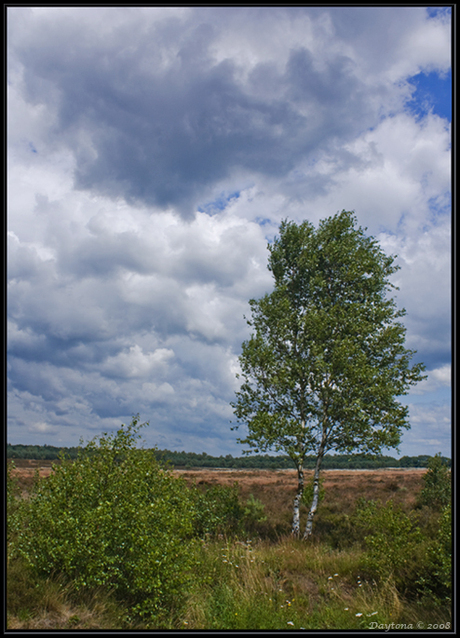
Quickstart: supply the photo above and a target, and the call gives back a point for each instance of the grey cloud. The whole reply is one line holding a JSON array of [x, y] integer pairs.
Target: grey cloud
[[160, 133], [106, 255], [432, 343], [376, 29]]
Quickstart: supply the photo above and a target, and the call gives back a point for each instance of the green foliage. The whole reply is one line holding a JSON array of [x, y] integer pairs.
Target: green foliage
[[436, 580], [262, 585], [267, 461], [326, 361], [307, 495], [113, 518], [394, 542], [13, 504], [41, 452], [437, 491], [254, 514], [397, 549], [217, 510]]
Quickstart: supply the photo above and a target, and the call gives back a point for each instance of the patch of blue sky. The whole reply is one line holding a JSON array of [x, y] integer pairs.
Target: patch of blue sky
[[218, 204], [433, 93], [32, 148], [440, 205], [434, 12], [263, 221]]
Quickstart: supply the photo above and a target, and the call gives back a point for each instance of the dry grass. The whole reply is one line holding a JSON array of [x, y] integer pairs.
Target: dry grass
[[51, 604], [276, 488]]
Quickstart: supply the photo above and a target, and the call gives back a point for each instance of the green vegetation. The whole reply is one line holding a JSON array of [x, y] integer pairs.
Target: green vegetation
[[326, 363], [112, 540], [437, 492], [112, 518]]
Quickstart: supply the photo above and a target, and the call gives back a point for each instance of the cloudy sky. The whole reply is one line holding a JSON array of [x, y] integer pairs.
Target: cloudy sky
[[152, 154]]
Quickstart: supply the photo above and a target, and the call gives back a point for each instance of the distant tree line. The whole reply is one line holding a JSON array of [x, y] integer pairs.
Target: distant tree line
[[256, 461]]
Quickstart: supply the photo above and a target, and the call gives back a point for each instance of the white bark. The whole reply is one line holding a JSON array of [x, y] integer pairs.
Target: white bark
[[315, 499], [297, 501]]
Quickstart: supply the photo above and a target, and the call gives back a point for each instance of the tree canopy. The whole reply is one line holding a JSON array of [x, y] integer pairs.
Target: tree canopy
[[326, 362]]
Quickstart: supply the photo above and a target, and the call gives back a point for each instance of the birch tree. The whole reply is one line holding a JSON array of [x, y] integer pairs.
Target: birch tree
[[326, 361]]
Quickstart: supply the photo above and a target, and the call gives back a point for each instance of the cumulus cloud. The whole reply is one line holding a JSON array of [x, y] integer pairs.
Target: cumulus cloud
[[161, 118], [436, 379], [430, 430], [153, 152]]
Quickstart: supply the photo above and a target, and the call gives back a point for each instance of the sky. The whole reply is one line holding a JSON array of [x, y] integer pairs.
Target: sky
[[153, 153]]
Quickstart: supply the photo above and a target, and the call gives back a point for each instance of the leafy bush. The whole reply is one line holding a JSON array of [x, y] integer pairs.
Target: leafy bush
[[437, 491], [217, 510], [254, 514], [436, 580], [113, 518], [395, 544]]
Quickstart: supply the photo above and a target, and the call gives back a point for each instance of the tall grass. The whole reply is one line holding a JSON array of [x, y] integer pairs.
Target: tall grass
[[292, 585]]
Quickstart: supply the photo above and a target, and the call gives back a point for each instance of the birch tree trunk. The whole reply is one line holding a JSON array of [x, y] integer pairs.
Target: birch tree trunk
[[315, 499], [297, 501]]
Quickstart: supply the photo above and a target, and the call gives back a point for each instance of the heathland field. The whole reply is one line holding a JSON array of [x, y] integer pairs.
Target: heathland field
[[379, 557]]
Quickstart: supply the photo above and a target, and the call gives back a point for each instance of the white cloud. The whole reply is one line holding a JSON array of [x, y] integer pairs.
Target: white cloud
[[42, 428], [430, 431], [436, 379], [134, 363]]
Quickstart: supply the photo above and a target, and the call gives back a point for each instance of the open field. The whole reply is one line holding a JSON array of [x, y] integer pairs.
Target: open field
[[274, 487]]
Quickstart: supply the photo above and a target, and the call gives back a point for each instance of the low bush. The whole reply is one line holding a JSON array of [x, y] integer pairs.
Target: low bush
[[13, 505], [217, 510], [437, 491], [395, 544], [418, 564], [436, 580], [113, 518], [254, 516]]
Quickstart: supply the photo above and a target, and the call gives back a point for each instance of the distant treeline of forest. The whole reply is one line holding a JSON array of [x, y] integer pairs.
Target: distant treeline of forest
[[260, 461]]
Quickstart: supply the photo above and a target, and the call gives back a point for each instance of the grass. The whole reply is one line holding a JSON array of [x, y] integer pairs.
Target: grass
[[269, 582], [34, 603], [292, 585]]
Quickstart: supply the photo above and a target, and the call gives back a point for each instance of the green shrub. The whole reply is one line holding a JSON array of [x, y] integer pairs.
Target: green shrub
[[253, 515], [217, 510], [113, 518], [418, 564], [395, 545], [436, 580], [437, 491]]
